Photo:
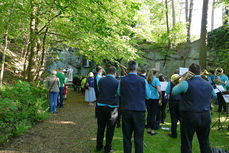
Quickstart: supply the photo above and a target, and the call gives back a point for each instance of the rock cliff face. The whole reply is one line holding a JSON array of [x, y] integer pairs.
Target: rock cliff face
[[66, 58]]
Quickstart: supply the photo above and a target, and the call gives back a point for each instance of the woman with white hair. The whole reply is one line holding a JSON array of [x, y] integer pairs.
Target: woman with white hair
[[53, 85], [90, 92]]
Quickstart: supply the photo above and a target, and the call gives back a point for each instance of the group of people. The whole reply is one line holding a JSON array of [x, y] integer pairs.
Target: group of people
[[56, 87], [189, 103]]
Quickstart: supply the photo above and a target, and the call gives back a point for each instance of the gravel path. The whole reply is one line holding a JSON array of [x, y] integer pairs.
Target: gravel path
[[72, 130]]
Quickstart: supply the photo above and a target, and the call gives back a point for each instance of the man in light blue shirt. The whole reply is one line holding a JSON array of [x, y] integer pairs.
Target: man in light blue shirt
[[196, 94], [107, 105], [133, 90]]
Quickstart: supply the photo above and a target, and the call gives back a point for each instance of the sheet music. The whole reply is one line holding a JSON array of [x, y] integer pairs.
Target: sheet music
[[216, 90], [226, 98], [163, 85], [183, 70], [220, 88]]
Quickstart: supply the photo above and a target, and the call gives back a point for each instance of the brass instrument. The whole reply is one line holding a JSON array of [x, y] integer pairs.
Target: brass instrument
[[204, 75], [186, 76], [218, 71], [205, 72]]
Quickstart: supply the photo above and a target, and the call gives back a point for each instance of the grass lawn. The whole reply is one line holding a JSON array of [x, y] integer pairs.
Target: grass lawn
[[162, 143]]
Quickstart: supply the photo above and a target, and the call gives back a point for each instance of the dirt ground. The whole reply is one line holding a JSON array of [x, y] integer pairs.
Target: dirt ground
[[71, 130]]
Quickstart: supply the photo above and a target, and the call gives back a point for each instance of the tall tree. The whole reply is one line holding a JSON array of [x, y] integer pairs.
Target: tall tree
[[189, 22], [168, 31], [213, 15], [174, 12], [6, 43], [32, 46], [203, 36]]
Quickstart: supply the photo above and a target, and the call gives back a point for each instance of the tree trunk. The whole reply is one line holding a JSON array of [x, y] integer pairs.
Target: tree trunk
[[174, 13], [38, 46], [189, 22], [32, 40], [213, 15], [41, 65], [203, 36], [186, 11], [6, 43], [25, 56], [168, 31]]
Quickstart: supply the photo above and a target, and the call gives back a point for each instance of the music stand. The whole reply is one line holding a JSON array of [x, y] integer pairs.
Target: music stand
[[221, 90], [225, 96], [226, 99]]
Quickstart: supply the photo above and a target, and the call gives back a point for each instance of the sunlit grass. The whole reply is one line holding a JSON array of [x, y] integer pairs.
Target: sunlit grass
[[162, 143]]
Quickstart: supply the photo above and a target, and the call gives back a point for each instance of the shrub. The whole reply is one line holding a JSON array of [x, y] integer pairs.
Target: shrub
[[20, 107]]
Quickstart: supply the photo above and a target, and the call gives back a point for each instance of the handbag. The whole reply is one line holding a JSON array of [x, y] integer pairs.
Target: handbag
[[86, 85]]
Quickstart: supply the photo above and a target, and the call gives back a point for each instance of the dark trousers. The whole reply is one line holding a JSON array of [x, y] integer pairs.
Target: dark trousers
[[152, 109], [61, 94], [133, 121], [195, 122], [221, 102], [119, 117], [103, 121], [175, 116], [96, 109], [162, 113]]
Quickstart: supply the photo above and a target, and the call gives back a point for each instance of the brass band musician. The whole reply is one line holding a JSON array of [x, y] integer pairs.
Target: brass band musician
[[221, 79], [196, 94]]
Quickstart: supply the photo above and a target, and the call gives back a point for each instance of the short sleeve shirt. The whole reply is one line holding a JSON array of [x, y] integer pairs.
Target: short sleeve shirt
[[153, 88], [223, 78]]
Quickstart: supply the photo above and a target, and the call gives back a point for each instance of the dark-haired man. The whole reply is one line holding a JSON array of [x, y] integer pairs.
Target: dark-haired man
[[133, 90], [196, 94], [143, 74], [107, 105]]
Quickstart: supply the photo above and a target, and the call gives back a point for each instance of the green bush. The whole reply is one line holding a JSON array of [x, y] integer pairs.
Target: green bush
[[20, 107]]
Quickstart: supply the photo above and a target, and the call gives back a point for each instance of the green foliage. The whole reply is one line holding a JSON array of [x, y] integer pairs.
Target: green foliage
[[101, 30], [218, 44], [20, 107]]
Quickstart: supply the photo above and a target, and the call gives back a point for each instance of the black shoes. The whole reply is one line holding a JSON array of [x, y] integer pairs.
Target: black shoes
[[172, 136], [98, 149], [152, 133]]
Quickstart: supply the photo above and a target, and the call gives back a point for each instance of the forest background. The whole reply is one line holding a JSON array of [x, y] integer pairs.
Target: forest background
[[103, 31]]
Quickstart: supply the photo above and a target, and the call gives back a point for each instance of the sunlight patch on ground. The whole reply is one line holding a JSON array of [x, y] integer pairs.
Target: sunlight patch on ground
[[62, 122], [93, 139], [117, 138], [10, 151]]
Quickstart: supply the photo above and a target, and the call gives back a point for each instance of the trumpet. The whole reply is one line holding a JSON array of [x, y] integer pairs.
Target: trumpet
[[186, 76]]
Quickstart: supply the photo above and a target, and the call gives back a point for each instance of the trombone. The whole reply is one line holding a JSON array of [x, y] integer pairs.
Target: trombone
[[188, 75]]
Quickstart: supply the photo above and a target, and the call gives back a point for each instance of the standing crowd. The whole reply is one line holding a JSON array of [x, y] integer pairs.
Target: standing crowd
[[131, 95]]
